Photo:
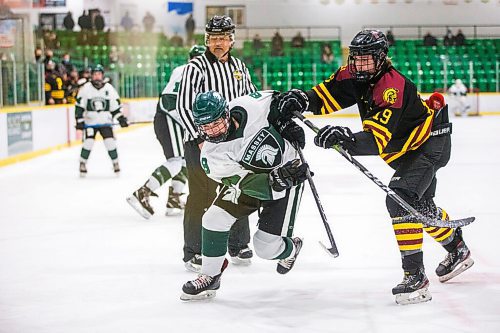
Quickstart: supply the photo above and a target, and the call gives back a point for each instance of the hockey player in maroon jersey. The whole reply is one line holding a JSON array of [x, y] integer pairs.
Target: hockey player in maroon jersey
[[411, 137]]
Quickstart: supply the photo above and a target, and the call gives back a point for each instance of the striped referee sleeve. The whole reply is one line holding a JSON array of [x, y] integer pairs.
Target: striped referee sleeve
[[189, 88]]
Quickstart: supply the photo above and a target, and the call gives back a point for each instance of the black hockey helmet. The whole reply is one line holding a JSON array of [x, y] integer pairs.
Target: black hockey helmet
[[220, 25], [368, 42]]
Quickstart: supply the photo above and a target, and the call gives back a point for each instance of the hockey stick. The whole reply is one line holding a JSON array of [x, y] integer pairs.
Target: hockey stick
[[333, 251], [116, 124], [427, 221]]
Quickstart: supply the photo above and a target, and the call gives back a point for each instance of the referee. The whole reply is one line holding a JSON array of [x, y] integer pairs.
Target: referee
[[215, 70]]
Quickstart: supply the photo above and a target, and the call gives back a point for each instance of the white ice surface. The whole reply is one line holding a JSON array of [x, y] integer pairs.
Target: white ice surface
[[74, 257]]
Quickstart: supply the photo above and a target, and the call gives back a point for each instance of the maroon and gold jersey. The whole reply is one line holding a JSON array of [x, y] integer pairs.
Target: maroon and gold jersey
[[390, 109]]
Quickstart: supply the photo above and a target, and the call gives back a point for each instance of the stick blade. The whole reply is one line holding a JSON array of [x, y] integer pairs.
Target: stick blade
[[333, 252]]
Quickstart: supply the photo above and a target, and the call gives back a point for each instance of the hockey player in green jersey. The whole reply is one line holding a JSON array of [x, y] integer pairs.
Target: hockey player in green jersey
[[250, 151]]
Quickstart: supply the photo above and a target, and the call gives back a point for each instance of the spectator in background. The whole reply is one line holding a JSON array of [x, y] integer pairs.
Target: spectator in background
[[51, 40], [54, 85], [84, 21], [298, 40], [49, 54], [430, 40], [99, 21], [149, 22], [257, 43], [190, 26], [176, 40], [448, 39], [460, 38], [127, 23], [38, 54], [390, 38], [66, 63], [327, 56], [68, 22], [277, 45]]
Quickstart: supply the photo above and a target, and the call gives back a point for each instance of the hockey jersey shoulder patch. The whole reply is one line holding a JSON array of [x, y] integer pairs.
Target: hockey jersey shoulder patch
[[264, 152], [388, 91]]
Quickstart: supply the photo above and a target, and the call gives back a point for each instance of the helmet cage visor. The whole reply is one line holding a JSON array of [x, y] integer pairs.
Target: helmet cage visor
[[365, 62], [217, 130]]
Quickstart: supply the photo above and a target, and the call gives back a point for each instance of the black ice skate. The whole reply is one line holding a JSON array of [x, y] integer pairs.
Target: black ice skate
[[455, 262], [139, 200], [83, 169], [242, 257], [116, 168], [174, 204], [194, 264], [286, 265], [413, 289], [204, 287]]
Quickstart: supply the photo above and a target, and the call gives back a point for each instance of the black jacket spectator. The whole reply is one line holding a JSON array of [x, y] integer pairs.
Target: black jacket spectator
[[448, 39], [68, 22], [99, 22], [430, 40], [459, 38], [84, 21]]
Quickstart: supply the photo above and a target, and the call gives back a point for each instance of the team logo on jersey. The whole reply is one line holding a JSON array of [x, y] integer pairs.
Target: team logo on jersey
[[267, 154], [98, 104], [238, 75], [264, 152], [390, 95]]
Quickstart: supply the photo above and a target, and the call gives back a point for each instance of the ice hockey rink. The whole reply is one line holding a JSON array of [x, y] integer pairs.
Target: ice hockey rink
[[74, 257]]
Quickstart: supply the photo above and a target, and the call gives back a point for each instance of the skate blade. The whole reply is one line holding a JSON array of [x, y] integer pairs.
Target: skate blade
[[192, 268], [134, 203], [464, 265], [204, 295], [83, 174], [241, 261], [418, 296]]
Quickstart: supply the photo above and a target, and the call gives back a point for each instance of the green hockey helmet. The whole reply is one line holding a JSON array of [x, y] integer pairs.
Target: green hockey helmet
[[211, 116], [196, 50]]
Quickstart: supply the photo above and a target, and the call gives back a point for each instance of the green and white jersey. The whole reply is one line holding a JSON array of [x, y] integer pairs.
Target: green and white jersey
[[244, 160], [99, 106], [168, 97]]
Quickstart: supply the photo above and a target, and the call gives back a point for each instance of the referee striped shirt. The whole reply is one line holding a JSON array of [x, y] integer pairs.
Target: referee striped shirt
[[204, 73]]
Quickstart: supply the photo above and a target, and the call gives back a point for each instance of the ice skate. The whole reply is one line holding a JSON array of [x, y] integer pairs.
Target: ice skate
[[413, 289], [242, 257], [194, 264], [139, 200], [455, 262], [116, 168], [174, 204], [285, 265], [83, 169], [203, 287]]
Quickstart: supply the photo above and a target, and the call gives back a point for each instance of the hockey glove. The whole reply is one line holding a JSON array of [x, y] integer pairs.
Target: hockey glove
[[293, 100], [123, 121], [288, 175], [80, 124], [291, 132], [329, 136]]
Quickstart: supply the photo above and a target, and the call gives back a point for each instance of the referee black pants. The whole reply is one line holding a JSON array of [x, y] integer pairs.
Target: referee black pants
[[202, 191]]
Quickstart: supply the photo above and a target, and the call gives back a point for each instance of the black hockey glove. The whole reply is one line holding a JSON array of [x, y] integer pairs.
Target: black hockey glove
[[291, 132], [80, 124], [329, 136], [290, 101], [123, 121], [288, 175]]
